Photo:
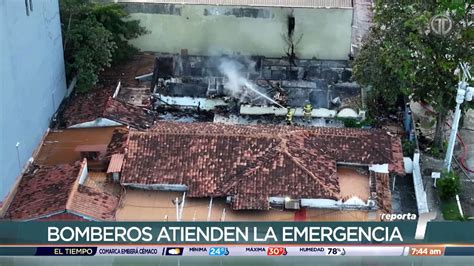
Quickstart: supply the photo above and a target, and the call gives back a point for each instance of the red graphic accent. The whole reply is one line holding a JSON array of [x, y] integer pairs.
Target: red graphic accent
[[276, 251]]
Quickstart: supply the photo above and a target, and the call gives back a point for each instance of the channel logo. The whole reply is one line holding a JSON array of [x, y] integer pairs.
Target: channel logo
[[173, 251]]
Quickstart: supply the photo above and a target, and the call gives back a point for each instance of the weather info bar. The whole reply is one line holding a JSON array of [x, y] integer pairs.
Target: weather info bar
[[222, 251]]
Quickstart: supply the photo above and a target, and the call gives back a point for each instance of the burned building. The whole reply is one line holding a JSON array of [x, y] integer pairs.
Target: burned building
[[257, 86]]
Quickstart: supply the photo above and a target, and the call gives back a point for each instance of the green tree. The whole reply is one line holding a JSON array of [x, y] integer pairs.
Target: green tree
[[402, 56], [94, 36], [117, 21], [448, 185]]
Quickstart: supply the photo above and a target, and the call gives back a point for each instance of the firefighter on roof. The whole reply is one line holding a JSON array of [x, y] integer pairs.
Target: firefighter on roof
[[307, 109], [289, 117]]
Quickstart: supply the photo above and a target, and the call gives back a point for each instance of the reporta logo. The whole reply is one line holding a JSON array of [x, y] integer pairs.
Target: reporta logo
[[397, 216], [423, 220]]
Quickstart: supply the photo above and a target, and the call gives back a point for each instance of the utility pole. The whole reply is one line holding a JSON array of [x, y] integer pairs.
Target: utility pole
[[223, 215], [176, 203], [464, 92], [209, 211], [182, 207], [18, 155]]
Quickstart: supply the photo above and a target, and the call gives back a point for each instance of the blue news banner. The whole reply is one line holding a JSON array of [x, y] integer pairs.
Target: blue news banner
[[224, 239]]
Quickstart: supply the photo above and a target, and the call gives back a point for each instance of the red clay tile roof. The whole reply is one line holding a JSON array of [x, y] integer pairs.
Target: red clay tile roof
[[396, 165], [345, 145], [44, 192], [244, 166], [51, 190], [219, 129], [100, 104], [383, 193], [90, 202], [250, 163], [86, 107], [127, 114]]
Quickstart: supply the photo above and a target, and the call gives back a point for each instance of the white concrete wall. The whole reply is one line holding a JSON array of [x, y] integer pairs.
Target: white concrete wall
[[352, 203], [164, 187], [32, 81], [421, 199], [84, 173], [190, 102], [278, 111], [207, 30]]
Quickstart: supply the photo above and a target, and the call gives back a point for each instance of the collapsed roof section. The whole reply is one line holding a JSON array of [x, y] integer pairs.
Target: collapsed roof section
[[119, 98], [118, 142], [100, 105], [127, 114], [250, 163]]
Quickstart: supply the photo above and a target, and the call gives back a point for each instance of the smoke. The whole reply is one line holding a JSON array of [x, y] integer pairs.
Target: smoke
[[235, 82], [237, 85]]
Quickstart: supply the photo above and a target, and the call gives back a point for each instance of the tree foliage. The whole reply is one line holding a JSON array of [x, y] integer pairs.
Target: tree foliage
[[94, 36], [448, 185], [116, 20], [408, 148], [402, 55]]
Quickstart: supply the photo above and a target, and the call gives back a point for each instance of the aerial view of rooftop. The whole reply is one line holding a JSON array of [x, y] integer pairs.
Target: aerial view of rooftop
[[235, 110]]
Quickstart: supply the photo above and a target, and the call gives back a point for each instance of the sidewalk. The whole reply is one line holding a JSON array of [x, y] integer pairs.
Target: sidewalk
[[429, 165]]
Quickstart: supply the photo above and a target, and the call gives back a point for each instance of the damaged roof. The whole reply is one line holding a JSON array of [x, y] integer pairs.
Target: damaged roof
[[126, 72], [99, 104], [95, 104], [250, 163], [127, 114], [52, 190], [118, 142]]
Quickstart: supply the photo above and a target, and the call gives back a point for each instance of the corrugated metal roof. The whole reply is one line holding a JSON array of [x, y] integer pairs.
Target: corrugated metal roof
[[115, 164], [269, 3]]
